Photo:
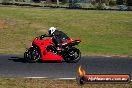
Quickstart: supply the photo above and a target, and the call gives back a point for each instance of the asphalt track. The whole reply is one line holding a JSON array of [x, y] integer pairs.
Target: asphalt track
[[15, 66]]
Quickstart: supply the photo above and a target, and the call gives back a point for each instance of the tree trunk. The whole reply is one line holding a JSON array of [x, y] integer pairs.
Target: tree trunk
[[57, 1]]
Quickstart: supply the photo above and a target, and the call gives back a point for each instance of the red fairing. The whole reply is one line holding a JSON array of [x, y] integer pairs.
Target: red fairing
[[45, 55]]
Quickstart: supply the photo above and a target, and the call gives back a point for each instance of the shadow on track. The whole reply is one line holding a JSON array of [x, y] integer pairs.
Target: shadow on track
[[18, 59], [23, 60]]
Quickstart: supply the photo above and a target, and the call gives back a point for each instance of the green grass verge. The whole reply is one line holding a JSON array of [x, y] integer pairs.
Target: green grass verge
[[101, 32], [43, 83]]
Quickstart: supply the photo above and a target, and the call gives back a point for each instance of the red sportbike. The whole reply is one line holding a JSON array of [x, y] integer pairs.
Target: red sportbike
[[44, 48]]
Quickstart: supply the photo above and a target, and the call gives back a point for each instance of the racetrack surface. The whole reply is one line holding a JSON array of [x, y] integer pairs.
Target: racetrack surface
[[15, 66]]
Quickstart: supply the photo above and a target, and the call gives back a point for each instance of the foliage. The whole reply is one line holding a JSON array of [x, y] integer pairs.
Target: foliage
[[74, 4], [5, 1], [112, 3], [129, 2], [101, 6], [120, 2]]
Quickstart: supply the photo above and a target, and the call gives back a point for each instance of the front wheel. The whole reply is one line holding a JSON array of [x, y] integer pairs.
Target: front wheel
[[73, 55], [32, 55]]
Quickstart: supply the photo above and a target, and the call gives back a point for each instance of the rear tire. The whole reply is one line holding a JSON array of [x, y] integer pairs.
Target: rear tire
[[73, 55]]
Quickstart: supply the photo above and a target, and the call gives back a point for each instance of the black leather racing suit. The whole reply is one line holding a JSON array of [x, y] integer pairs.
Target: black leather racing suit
[[58, 37]]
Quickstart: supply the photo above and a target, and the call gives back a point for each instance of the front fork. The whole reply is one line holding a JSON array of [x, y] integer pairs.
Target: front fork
[[26, 53]]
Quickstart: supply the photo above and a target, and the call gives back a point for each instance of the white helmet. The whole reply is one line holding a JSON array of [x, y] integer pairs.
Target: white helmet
[[51, 30]]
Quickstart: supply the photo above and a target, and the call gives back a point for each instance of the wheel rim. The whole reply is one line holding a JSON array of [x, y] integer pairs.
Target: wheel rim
[[35, 55], [73, 54]]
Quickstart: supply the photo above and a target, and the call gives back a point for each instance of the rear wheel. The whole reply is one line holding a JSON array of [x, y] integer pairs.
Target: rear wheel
[[72, 55], [32, 55]]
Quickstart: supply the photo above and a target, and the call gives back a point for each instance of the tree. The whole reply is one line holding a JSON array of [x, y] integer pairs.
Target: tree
[[103, 1], [8, 1], [129, 2], [57, 1], [5, 1], [120, 2]]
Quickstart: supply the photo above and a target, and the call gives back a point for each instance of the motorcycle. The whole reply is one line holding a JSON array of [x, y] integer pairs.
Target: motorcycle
[[44, 48]]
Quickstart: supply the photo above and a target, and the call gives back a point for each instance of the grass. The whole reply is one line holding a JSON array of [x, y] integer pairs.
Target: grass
[[43, 83], [101, 32]]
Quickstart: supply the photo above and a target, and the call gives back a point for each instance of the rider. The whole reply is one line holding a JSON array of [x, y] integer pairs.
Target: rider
[[57, 37]]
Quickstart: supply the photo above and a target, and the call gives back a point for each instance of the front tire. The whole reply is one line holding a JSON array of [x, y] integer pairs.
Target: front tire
[[32, 55], [73, 55]]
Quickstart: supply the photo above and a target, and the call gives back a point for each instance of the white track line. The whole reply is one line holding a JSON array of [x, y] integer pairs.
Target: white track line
[[66, 78], [50, 78], [107, 56]]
